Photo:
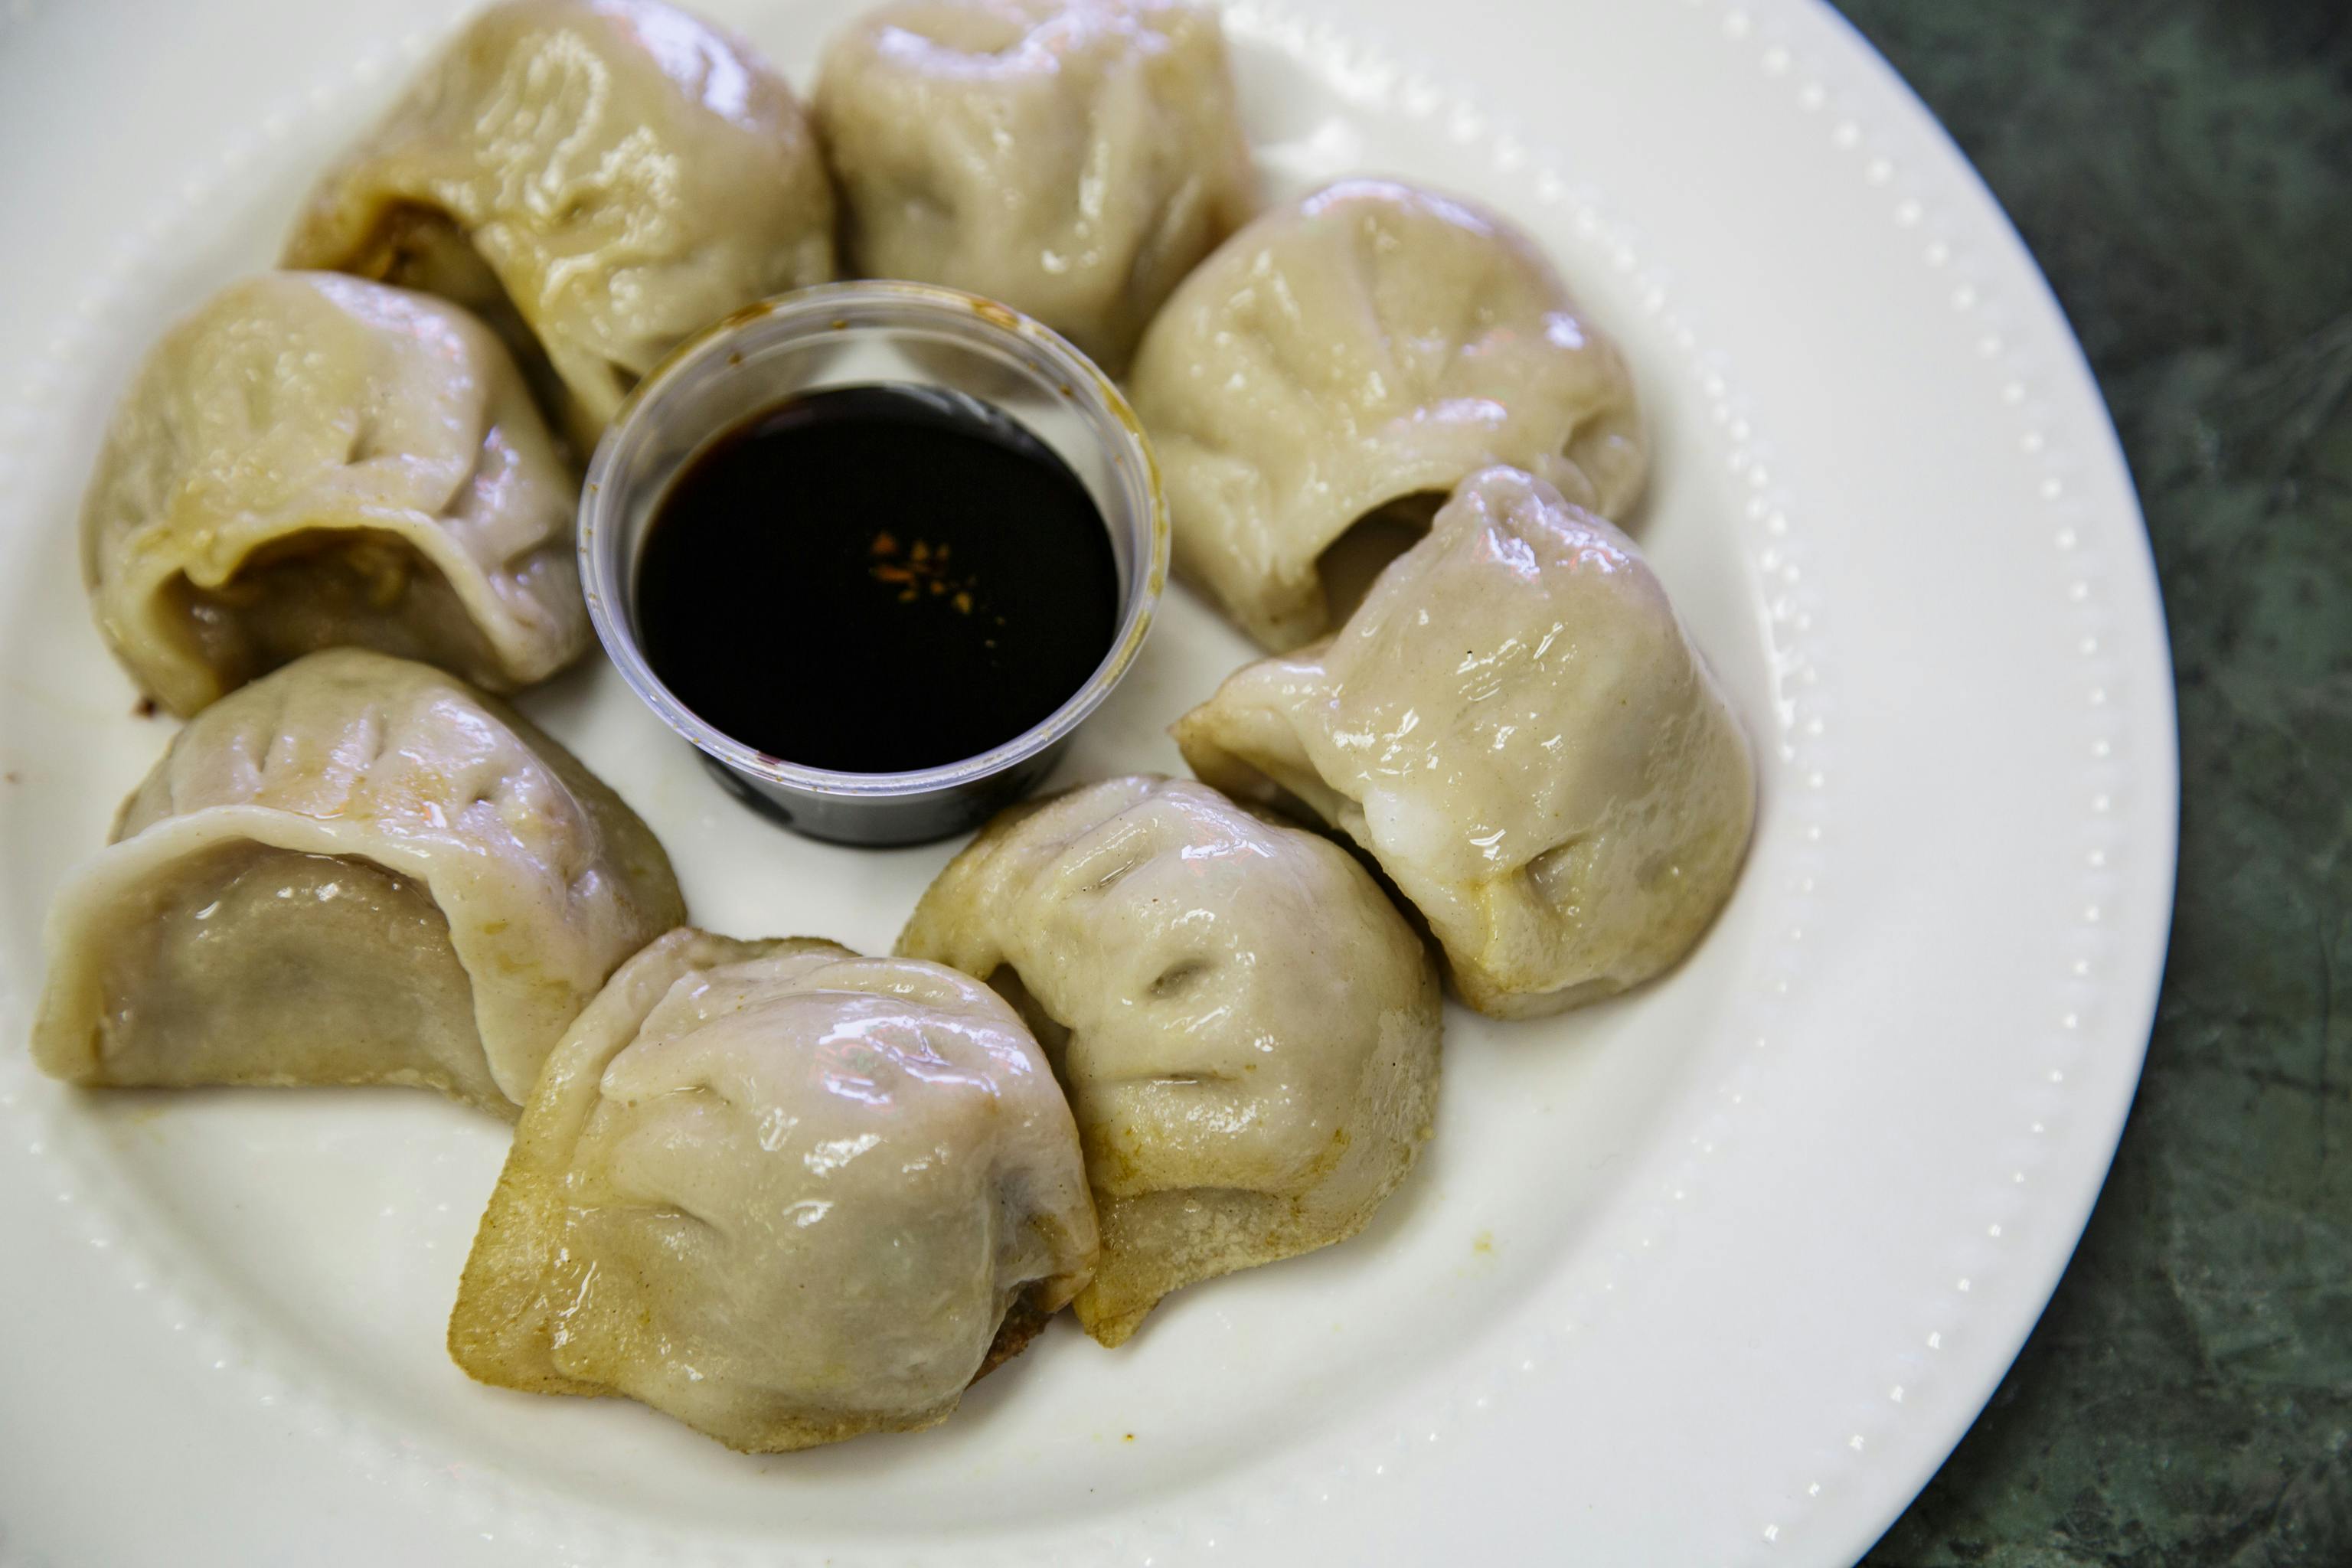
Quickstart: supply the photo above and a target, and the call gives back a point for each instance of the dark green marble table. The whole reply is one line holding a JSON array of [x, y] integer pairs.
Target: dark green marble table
[[2183, 171]]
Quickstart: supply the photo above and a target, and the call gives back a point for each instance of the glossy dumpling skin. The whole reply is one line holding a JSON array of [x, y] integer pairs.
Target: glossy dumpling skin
[[1515, 726], [1370, 343], [355, 870], [1247, 1029], [598, 178], [784, 1192], [311, 461], [1071, 158]]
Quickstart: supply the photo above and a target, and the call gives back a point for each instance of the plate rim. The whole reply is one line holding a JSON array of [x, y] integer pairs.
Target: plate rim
[[2075, 370], [2140, 548]]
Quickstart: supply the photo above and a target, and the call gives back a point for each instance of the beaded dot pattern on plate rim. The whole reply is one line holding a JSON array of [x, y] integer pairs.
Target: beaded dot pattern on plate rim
[[1763, 30], [188, 1304]]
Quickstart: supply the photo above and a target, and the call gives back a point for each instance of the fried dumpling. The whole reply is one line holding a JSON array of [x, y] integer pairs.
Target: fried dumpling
[[1515, 724], [780, 1191], [355, 870], [596, 178], [1071, 158], [1247, 1028], [315, 461], [1348, 359]]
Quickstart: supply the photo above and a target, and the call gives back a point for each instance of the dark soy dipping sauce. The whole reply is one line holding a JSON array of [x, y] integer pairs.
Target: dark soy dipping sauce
[[876, 579]]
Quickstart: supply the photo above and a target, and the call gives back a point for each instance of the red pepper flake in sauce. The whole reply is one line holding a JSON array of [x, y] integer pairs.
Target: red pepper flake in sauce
[[870, 551]]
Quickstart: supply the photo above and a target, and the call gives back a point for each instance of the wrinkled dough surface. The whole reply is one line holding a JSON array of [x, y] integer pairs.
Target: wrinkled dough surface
[[314, 461], [780, 1191], [1247, 1030], [1370, 343], [1516, 727], [607, 176], [1071, 158], [444, 804]]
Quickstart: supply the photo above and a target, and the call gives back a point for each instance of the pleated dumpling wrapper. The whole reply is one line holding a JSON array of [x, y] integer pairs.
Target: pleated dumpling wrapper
[[597, 178], [1515, 724], [1349, 359], [1071, 158], [315, 461], [355, 870], [784, 1192], [1246, 1028]]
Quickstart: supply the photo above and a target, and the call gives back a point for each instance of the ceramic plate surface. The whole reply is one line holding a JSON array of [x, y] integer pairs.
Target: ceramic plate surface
[[1714, 1274]]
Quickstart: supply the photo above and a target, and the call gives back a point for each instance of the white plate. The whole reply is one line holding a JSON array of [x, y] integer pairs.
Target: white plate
[[1714, 1274]]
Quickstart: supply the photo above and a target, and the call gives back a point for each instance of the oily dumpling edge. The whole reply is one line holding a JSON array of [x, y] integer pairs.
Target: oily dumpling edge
[[1190, 209], [1249, 738], [498, 1321], [392, 183], [1269, 768], [1221, 1230], [1279, 596], [138, 539], [1257, 550], [498, 1325], [130, 602]]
